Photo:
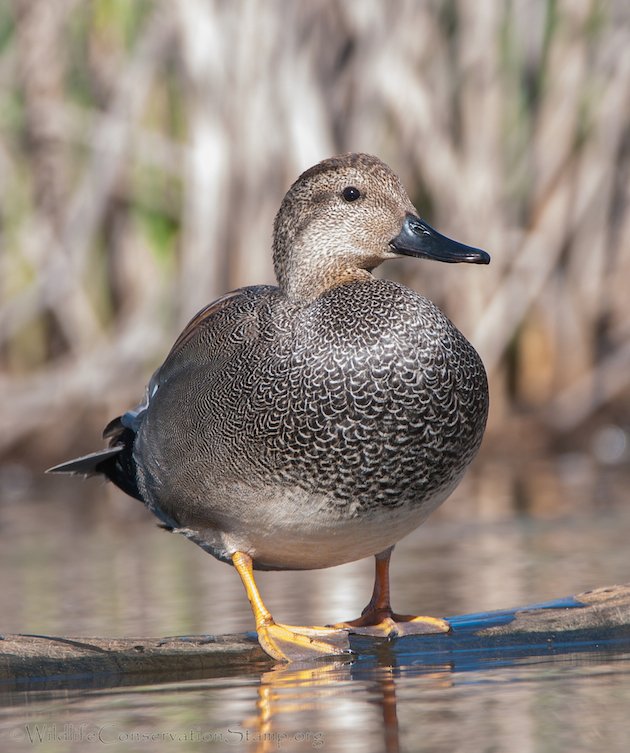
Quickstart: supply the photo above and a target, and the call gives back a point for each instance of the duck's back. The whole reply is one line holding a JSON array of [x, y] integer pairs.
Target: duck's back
[[368, 396]]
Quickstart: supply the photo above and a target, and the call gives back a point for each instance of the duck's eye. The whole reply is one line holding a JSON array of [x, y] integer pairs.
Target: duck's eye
[[350, 193]]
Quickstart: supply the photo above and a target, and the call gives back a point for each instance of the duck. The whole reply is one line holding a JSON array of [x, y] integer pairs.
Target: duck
[[314, 422]]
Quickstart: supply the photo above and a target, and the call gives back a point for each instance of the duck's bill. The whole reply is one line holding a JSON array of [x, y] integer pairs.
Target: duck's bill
[[416, 238]]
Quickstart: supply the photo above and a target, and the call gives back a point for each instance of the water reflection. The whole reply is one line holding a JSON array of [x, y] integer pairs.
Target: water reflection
[[287, 692], [439, 709], [565, 703]]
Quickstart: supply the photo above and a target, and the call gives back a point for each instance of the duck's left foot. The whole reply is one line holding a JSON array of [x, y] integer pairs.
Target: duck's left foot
[[384, 623]]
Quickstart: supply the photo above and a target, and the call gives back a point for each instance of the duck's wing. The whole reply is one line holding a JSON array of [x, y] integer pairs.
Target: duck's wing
[[116, 461], [202, 317]]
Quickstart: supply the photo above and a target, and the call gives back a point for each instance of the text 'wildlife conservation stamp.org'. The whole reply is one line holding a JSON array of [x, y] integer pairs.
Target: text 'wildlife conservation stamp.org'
[[35, 733]]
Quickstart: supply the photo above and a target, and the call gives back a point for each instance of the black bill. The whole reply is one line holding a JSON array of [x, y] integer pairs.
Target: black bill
[[416, 238]]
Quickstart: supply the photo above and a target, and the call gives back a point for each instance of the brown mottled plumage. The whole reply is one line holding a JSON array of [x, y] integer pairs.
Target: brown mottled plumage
[[317, 422]]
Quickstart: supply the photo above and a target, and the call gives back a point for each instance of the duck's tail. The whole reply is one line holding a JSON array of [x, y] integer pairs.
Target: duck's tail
[[115, 462]]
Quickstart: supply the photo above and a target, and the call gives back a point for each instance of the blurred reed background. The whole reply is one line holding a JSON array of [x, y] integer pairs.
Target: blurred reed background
[[145, 147]]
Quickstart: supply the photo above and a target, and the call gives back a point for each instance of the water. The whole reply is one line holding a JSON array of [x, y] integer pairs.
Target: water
[[569, 705], [96, 565]]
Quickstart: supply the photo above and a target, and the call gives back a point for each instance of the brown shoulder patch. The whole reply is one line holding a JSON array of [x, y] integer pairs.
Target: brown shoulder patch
[[200, 317]]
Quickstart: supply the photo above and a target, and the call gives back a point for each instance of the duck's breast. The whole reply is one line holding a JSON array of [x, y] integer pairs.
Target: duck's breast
[[367, 400]]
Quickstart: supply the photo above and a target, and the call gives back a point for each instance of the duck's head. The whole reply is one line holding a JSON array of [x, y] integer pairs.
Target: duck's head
[[342, 218]]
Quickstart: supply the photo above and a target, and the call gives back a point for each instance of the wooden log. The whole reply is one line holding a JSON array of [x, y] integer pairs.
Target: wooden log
[[31, 660], [592, 620]]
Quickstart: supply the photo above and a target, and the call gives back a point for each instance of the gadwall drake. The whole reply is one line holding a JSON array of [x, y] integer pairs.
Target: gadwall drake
[[317, 422]]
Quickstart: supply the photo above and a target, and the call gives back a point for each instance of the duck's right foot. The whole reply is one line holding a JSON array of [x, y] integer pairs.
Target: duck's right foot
[[287, 642], [297, 643]]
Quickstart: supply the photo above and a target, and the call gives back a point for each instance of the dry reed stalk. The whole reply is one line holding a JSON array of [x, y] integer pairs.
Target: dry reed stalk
[[509, 123]]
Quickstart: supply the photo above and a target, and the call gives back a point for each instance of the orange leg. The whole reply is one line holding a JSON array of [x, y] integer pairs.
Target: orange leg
[[286, 642], [378, 618]]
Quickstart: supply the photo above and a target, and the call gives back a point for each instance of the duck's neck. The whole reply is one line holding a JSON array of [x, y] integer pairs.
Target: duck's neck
[[304, 288]]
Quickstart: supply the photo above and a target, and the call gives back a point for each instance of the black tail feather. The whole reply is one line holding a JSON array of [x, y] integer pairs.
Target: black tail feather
[[115, 463], [87, 465]]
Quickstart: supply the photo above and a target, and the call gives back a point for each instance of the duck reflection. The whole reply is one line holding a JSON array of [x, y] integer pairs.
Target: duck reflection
[[311, 691]]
